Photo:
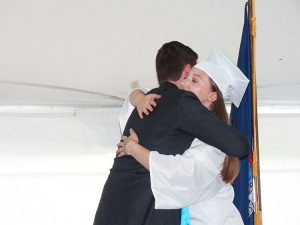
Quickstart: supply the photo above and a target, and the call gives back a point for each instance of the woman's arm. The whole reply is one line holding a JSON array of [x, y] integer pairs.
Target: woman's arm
[[176, 181], [181, 180], [140, 153], [130, 146], [143, 103], [136, 96], [133, 100]]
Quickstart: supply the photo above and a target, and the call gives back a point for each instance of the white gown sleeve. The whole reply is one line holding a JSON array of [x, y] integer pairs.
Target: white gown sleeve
[[127, 109], [179, 181]]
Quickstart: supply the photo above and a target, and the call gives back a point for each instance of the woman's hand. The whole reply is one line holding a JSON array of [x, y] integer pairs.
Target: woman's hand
[[130, 146], [124, 144], [146, 104]]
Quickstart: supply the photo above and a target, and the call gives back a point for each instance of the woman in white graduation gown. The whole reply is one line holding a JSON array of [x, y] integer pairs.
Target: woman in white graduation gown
[[200, 178]]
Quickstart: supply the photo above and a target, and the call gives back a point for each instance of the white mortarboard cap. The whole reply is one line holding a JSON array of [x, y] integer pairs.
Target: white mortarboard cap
[[227, 76]]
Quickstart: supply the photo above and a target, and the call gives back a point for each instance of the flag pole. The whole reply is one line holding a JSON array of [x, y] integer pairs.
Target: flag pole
[[256, 167]]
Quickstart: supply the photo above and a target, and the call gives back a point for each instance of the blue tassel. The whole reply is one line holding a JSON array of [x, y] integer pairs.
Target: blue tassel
[[185, 216]]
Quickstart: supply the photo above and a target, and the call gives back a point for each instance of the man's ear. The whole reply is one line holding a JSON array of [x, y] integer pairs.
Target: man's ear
[[186, 70]]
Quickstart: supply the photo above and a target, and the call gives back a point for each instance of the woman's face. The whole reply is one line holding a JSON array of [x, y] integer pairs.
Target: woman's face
[[198, 82]]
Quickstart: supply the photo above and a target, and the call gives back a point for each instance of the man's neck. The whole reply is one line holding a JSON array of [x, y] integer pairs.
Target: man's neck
[[175, 82]]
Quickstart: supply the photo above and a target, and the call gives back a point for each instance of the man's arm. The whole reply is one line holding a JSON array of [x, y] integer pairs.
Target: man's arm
[[196, 120]]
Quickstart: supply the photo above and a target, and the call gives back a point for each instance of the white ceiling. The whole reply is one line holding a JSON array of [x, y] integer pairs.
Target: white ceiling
[[66, 52]]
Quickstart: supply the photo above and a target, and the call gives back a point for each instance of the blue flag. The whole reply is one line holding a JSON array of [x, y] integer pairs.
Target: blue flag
[[241, 118]]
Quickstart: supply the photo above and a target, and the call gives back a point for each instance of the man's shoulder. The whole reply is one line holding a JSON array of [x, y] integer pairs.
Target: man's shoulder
[[168, 94], [188, 101], [181, 95]]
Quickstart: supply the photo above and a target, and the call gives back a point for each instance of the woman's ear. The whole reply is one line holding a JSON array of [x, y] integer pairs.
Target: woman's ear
[[213, 96]]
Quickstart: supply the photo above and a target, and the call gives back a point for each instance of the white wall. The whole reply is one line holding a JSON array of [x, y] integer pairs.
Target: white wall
[[53, 163], [280, 168]]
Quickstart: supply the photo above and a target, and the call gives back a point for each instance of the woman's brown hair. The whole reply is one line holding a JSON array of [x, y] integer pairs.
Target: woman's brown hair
[[231, 165]]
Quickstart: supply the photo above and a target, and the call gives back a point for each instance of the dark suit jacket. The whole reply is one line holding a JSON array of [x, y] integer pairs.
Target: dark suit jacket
[[178, 118]]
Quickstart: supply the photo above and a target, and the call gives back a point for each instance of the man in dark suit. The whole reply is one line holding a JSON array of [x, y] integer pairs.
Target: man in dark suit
[[178, 118]]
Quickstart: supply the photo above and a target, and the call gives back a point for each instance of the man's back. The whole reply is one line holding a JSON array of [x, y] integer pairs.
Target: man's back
[[127, 193], [159, 131]]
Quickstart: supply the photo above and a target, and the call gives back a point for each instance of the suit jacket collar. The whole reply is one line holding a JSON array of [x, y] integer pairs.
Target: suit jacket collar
[[168, 84]]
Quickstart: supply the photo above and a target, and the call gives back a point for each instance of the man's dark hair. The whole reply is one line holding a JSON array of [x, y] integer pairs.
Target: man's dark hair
[[171, 59]]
